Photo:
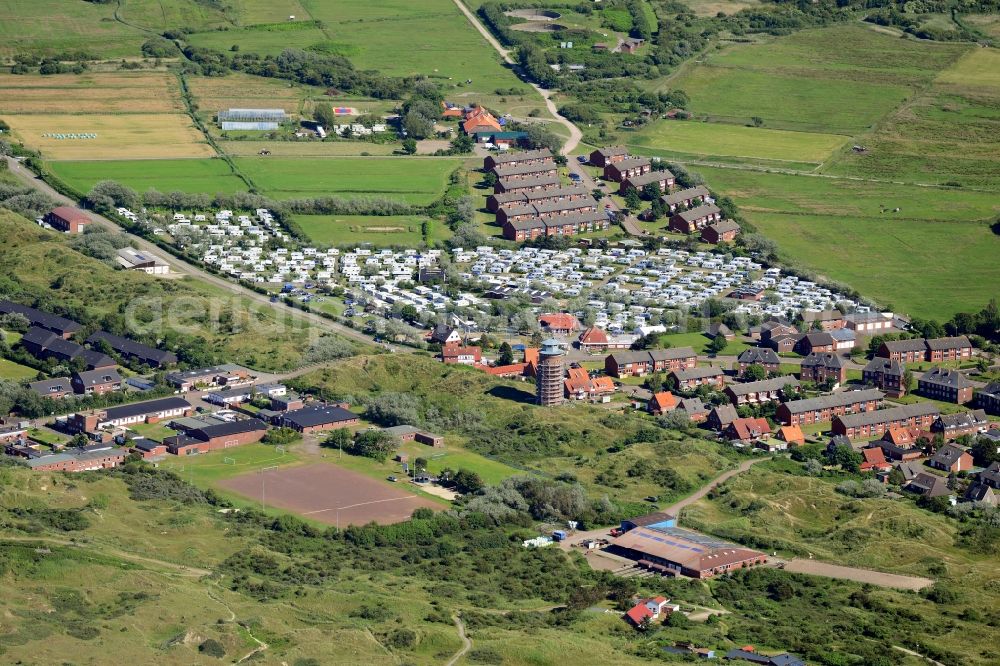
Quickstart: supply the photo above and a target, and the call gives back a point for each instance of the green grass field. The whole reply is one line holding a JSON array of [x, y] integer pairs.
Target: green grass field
[[15, 371], [715, 139], [380, 231], [72, 25], [206, 175], [699, 342], [265, 42], [906, 259], [842, 79], [414, 180]]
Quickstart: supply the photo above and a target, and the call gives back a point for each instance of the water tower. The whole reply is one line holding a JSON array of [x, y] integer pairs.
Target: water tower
[[550, 371]]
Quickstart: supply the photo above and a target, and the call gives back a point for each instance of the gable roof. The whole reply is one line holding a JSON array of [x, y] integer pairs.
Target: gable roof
[[902, 346], [308, 417], [948, 455], [833, 400], [747, 428], [699, 212], [41, 318], [874, 456], [697, 372], [46, 387], [150, 407], [759, 355], [917, 409], [594, 336], [133, 348], [764, 385], [827, 360], [559, 320], [685, 195], [885, 366], [98, 377], [970, 419], [791, 434], [663, 400], [725, 414], [946, 377], [724, 226], [943, 344]]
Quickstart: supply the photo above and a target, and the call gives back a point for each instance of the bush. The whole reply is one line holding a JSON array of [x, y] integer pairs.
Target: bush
[[212, 648]]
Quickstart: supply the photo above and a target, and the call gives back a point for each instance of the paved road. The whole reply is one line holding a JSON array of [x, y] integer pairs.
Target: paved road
[[185, 268]]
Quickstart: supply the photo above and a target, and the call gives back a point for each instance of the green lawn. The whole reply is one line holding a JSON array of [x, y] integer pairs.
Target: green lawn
[[907, 259], [716, 139], [207, 469], [15, 371], [264, 42], [200, 175], [380, 231], [411, 179], [699, 342]]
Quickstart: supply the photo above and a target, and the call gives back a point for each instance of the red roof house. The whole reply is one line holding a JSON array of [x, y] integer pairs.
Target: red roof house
[[647, 610], [559, 322], [661, 403], [461, 355], [874, 460], [747, 430]]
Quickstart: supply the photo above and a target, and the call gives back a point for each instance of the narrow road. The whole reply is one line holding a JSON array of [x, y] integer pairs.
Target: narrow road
[[184, 268], [880, 578], [466, 643], [575, 135], [916, 654], [676, 508]]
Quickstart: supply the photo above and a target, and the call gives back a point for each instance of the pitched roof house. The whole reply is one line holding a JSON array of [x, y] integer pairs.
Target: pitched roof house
[[661, 402], [951, 458], [747, 430]]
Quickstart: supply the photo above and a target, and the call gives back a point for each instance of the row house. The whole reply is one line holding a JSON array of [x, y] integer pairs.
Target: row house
[[562, 225], [495, 202], [935, 350], [630, 167], [537, 182], [61, 326], [689, 379], [953, 426], [134, 351], [885, 374], [525, 170], [602, 157], [872, 425], [494, 160], [43, 343], [816, 342], [765, 390], [638, 363], [546, 209], [663, 179], [689, 198], [826, 407], [946, 385], [695, 219], [723, 231], [820, 367]]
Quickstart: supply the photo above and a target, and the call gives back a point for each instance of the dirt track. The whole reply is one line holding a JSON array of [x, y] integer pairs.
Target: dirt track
[[329, 494], [817, 568]]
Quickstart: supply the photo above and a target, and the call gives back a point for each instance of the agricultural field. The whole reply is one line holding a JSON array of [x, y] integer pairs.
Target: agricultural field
[[948, 134], [206, 175], [51, 26], [895, 258], [695, 140], [802, 81], [268, 11], [414, 180], [308, 148], [379, 231], [236, 90], [145, 92], [126, 136], [257, 40]]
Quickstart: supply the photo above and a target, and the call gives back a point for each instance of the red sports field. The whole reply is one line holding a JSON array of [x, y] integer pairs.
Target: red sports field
[[329, 494]]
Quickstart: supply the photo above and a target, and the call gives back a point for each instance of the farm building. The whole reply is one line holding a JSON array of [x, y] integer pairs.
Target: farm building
[[252, 119], [671, 550], [140, 260], [65, 218]]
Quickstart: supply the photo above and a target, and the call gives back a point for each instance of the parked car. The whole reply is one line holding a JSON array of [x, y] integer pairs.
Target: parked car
[[393, 479]]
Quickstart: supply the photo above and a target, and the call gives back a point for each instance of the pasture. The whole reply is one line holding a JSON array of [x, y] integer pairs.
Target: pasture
[[265, 42], [380, 231], [308, 148], [146, 92], [126, 136], [846, 231], [50, 26], [205, 175], [949, 133], [841, 79], [413, 180], [268, 11], [715, 139], [329, 494]]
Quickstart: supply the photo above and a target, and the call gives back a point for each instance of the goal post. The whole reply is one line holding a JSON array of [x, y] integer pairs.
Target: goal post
[[279, 449], [229, 461]]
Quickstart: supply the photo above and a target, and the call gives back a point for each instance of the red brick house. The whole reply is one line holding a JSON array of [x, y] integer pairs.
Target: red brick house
[[826, 407], [747, 431], [688, 198], [559, 323], [874, 460], [811, 343], [461, 355], [661, 403], [820, 367], [64, 218], [602, 157], [207, 438], [539, 182], [540, 156], [940, 350], [952, 459], [904, 351], [723, 231], [692, 220], [689, 379], [953, 426], [885, 374], [765, 390], [525, 170], [664, 179], [639, 363], [945, 384], [827, 320], [84, 461], [97, 382], [629, 167], [762, 356], [875, 424]]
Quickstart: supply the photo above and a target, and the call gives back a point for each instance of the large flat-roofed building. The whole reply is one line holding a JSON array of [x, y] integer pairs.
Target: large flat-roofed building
[[139, 260], [672, 550]]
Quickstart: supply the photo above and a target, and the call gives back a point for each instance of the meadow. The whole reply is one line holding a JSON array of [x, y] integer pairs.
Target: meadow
[[125, 136], [140, 92], [414, 180], [843, 79], [265, 42], [50, 26], [895, 258], [205, 175], [948, 134], [698, 140], [379, 231], [308, 148]]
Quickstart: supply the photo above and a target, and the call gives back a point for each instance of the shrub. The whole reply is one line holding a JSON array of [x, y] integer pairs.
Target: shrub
[[212, 648]]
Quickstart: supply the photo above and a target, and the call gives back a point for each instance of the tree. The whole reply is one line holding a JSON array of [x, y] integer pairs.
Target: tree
[[597, 193], [848, 459], [757, 121], [754, 372], [375, 444], [323, 114], [676, 419], [328, 348], [909, 381], [632, 199], [467, 481], [281, 436], [212, 648], [717, 344], [409, 146], [505, 355], [339, 439]]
